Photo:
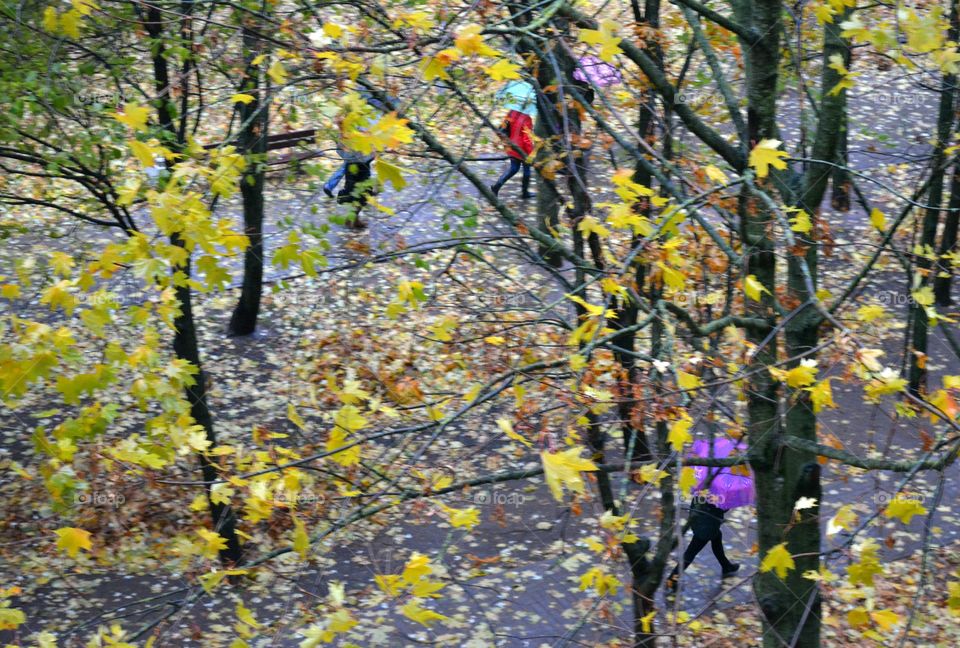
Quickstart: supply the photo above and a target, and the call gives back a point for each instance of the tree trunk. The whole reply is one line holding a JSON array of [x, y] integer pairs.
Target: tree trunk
[[783, 614], [185, 344], [186, 347], [948, 242], [254, 118], [919, 322], [840, 198]]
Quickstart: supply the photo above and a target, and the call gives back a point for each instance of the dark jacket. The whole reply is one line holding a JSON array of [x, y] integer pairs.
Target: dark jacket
[[705, 519]]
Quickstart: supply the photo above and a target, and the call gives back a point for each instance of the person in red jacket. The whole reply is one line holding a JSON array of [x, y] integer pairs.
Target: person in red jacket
[[520, 99]]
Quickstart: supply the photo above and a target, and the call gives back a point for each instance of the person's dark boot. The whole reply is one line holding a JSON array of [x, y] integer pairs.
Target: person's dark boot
[[730, 570], [495, 188], [526, 195]]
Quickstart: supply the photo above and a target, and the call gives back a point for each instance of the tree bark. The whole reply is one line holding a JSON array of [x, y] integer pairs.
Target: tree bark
[[185, 345], [254, 118], [948, 242], [919, 321], [948, 239]]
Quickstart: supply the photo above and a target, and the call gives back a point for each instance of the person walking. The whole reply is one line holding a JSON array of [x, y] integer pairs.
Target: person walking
[[718, 490], [358, 186], [331, 184], [520, 100]]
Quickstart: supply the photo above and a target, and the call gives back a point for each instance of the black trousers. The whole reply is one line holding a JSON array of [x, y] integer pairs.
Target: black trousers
[[697, 543], [705, 521]]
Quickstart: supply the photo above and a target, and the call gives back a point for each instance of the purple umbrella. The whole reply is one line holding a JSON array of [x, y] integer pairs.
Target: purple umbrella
[[728, 489], [592, 70]]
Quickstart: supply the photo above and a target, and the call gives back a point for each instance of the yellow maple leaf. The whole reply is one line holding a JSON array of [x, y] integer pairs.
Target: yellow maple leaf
[[416, 567], [821, 395], [753, 288], [877, 219], [649, 473], [50, 20], [904, 508], [391, 173], [62, 263], [294, 417], [589, 225], [593, 310], [778, 559], [466, 517], [435, 67], [212, 544], [70, 22], [886, 619], [953, 602], [415, 612], [600, 581], [673, 278], [870, 312], [277, 73], [388, 132], [801, 222], [858, 617], [824, 13], [503, 70], [924, 296], [85, 7], [301, 541], [687, 381], [507, 428], [352, 392], [886, 382], [715, 174], [688, 479], [562, 470], [577, 362], [846, 77], [605, 37], [242, 97], [72, 540], [144, 153], [802, 375], [349, 418], [646, 622], [244, 615], [470, 41], [350, 456], [133, 115], [333, 30], [679, 433], [765, 155]]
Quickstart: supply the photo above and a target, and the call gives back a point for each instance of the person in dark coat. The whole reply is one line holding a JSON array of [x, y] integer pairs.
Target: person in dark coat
[[342, 171], [358, 186], [705, 520]]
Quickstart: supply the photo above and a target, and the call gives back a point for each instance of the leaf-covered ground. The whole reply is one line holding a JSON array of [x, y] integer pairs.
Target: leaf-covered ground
[[513, 580]]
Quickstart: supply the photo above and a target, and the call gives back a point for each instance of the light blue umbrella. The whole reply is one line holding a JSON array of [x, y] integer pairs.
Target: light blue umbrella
[[519, 96]]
